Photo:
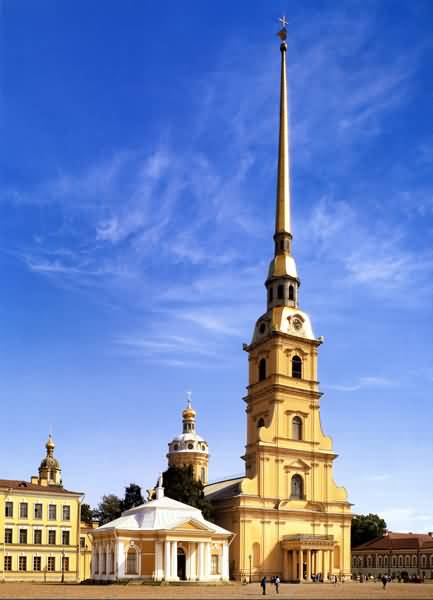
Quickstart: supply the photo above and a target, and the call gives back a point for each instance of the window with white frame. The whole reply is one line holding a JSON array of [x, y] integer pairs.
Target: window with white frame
[[7, 563], [66, 536], [51, 563], [37, 563], [131, 562], [215, 564], [22, 563], [52, 512], [9, 509], [22, 537], [38, 510], [8, 535], [37, 536], [52, 537], [66, 512], [24, 510]]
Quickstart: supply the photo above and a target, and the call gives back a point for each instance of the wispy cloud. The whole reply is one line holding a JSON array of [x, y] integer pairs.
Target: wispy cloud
[[362, 382]]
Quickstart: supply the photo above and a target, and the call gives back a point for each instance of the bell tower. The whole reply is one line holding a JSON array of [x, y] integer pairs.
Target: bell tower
[[290, 517]]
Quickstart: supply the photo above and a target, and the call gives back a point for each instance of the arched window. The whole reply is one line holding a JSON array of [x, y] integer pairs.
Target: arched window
[[297, 428], [291, 292], [407, 561], [131, 562], [112, 562], [203, 474], [431, 561], [297, 487], [394, 561], [400, 561], [256, 555], [369, 562], [414, 561], [260, 422], [379, 561], [280, 292], [423, 562], [271, 294], [385, 561], [262, 369], [296, 367]]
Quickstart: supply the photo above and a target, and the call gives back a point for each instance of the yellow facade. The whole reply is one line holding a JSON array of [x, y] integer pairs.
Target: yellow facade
[[289, 516], [40, 525]]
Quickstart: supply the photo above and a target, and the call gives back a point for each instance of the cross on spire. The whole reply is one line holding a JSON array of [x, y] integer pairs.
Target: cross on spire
[[283, 21]]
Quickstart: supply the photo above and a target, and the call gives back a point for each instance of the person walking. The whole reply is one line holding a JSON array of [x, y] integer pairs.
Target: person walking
[[263, 585], [277, 584], [384, 581]]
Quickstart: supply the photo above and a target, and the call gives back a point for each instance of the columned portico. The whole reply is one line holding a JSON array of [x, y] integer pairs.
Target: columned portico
[[305, 556]]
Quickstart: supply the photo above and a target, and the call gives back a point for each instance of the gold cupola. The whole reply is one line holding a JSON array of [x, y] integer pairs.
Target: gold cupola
[[50, 472], [188, 448]]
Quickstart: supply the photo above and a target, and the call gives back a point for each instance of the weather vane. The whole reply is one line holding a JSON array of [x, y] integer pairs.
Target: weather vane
[[282, 34]]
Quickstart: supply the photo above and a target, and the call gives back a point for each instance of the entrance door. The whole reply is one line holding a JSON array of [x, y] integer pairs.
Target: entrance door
[[181, 564]]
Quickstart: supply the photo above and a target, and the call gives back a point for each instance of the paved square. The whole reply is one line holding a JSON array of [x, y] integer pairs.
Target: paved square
[[346, 591]]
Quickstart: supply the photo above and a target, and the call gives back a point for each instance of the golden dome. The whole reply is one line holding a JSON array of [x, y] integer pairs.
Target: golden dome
[[50, 445], [189, 413]]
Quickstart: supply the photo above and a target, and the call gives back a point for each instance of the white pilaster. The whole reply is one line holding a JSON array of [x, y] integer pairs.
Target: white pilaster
[[207, 561], [188, 561], [308, 565], [174, 561], [120, 552], [225, 562], [200, 570], [193, 561], [159, 569], [167, 554], [301, 565]]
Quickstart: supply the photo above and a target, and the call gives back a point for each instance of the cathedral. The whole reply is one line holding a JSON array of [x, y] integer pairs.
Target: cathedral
[[288, 515]]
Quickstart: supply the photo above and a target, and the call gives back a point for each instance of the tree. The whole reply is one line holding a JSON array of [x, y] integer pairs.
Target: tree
[[109, 508], [180, 484], [366, 528], [87, 513], [133, 497]]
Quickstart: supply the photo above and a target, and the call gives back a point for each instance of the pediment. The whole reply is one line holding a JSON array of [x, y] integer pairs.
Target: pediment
[[191, 525], [298, 465]]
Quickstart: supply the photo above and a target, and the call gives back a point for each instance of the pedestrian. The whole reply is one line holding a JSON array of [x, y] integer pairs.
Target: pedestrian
[[277, 584], [384, 581], [263, 585]]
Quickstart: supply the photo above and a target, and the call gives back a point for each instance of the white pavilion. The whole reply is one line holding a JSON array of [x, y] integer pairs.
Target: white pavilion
[[161, 540]]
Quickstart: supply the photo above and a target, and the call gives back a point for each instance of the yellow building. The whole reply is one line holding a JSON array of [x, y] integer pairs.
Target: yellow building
[[40, 525], [189, 448], [289, 516]]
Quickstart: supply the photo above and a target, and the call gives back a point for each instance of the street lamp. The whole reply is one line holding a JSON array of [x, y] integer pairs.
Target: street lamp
[[249, 558]]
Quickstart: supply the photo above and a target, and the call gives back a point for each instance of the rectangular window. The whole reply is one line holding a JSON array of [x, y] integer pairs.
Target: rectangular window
[[65, 538], [65, 563], [24, 510], [51, 537], [215, 564], [22, 563], [37, 536], [9, 509], [52, 512], [38, 511], [8, 563], [66, 512], [82, 542], [51, 563], [23, 536], [36, 563], [8, 535]]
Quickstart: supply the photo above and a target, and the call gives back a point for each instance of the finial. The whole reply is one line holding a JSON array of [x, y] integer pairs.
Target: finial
[[189, 399], [282, 34], [159, 488]]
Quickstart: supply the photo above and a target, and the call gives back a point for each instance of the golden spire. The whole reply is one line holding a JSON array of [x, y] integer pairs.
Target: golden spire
[[282, 224]]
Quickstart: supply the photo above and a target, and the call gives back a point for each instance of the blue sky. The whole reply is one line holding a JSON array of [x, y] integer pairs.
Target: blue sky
[[137, 205]]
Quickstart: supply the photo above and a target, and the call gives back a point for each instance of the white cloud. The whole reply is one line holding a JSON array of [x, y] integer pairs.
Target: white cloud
[[369, 381]]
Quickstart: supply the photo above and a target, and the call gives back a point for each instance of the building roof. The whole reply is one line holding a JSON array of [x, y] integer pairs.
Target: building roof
[[20, 484], [161, 514], [223, 489], [398, 541]]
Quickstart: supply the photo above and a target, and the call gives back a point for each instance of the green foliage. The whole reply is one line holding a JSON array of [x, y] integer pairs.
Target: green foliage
[[366, 528], [109, 508], [132, 497], [180, 484], [87, 513]]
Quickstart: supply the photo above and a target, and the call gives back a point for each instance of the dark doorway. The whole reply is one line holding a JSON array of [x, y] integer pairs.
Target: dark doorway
[[181, 564]]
